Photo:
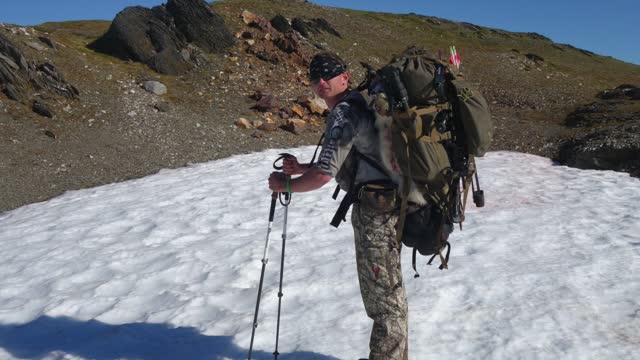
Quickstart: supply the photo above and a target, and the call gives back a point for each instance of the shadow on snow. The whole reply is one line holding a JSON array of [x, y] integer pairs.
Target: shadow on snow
[[96, 340]]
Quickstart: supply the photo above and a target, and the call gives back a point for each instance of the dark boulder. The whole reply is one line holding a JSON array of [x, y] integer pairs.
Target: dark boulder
[[301, 26], [313, 26], [41, 108], [591, 114], [247, 35], [11, 52], [164, 37], [14, 71], [534, 57], [138, 34], [323, 25], [258, 94], [48, 41], [281, 24], [198, 24], [265, 56], [49, 77], [286, 45], [624, 91], [610, 148], [606, 135], [13, 93], [267, 103]]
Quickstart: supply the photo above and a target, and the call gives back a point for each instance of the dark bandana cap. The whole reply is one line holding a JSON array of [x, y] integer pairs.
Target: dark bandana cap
[[325, 67]]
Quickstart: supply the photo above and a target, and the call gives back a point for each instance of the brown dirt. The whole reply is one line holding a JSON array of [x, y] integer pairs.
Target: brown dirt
[[114, 133]]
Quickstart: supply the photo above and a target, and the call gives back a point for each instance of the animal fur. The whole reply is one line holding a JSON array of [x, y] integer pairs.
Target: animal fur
[[389, 162]]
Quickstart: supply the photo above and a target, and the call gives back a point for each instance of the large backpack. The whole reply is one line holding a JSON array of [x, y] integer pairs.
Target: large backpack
[[434, 124]]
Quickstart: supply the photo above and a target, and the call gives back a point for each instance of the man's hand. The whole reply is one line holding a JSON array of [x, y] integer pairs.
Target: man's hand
[[291, 166], [277, 182]]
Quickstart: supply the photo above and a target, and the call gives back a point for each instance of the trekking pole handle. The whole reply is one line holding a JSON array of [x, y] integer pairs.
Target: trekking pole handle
[[286, 195], [272, 209], [282, 157]]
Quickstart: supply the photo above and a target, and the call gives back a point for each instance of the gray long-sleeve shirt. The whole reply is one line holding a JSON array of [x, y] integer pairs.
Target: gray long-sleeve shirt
[[350, 124]]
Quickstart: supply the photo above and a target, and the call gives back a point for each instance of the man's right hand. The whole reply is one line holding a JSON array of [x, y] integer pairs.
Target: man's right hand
[[291, 166]]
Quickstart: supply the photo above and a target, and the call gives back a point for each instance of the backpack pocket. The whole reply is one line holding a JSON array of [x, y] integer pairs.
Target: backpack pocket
[[426, 230], [473, 114]]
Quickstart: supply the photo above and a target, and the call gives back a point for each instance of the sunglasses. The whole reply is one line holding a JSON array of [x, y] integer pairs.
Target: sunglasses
[[316, 81]]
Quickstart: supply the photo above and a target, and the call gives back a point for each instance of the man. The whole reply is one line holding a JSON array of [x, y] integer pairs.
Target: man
[[350, 153]]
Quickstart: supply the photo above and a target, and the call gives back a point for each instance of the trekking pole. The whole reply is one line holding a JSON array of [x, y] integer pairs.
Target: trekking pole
[[265, 259], [478, 195], [285, 203]]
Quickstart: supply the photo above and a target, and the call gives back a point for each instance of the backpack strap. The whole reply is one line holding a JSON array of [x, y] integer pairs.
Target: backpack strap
[[354, 189], [467, 182], [416, 114], [355, 99], [444, 260], [351, 195], [404, 204], [313, 159], [430, 109], [436, 136], [370, 162], [336, 192], [349, 198]]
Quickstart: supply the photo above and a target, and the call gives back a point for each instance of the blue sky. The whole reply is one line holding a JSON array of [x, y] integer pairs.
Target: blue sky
[[604, 27]]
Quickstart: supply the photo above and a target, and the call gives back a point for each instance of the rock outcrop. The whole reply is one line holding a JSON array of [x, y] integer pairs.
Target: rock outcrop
[[198, 24], [14, 71], [281, 24], [607, 133], [610, 148], [272, 45], [139, 34], [314, 26], [21, 80], [625, 91], [168, 37]]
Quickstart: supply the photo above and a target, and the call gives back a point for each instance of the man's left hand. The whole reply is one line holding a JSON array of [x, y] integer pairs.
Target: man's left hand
[[277, 182]]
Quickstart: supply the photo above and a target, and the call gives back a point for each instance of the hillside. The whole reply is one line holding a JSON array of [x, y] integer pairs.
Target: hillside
[[168, 267], [116, 130]]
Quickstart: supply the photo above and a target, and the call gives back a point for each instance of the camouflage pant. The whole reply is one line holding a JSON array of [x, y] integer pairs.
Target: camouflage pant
[[378, 258]]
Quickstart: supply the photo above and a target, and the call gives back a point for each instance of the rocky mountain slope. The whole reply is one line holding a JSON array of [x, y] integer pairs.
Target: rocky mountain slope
[[125, 120]]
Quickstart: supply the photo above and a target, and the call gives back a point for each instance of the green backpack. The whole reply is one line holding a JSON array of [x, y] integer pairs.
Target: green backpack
[[437, 123]]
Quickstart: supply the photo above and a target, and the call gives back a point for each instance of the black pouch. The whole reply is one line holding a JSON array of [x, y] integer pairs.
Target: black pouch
[[426, 230]]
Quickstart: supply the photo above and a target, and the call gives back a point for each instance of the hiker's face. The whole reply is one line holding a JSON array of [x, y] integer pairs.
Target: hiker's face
[[328, 89]]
